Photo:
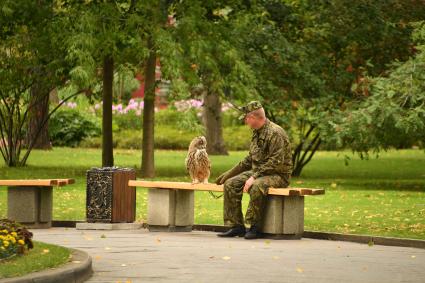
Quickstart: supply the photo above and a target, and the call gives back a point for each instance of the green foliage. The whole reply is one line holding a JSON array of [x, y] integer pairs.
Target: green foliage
[[32, 63], [70, 127], [306, 56], [390, 109]]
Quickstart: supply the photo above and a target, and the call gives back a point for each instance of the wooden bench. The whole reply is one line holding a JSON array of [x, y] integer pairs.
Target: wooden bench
[[171, 207], [30, 202]]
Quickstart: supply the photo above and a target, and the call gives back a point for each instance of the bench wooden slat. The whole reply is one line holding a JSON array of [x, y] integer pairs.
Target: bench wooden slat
[[219, 188], [37, 182]]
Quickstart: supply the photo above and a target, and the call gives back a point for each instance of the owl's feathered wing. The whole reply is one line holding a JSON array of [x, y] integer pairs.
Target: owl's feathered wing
[[198, 165], [203, 165]]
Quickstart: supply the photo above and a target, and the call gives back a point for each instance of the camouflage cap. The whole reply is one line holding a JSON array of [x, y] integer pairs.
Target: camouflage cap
[[251, 106]]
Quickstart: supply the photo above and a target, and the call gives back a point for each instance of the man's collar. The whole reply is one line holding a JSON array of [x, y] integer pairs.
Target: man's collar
[[263, 128]]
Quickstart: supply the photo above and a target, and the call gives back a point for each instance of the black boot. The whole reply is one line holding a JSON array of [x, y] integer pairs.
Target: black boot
[[253, 233], [233, 232]]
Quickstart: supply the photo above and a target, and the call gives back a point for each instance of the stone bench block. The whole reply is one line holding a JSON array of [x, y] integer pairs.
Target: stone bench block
[[284, 217], [170, 210], [30, 205]]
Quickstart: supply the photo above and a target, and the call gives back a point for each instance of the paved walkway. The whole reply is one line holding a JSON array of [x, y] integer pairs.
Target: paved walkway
[[141, 256]]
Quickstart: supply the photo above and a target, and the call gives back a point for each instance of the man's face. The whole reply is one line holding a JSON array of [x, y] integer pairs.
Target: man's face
[[251, 121]]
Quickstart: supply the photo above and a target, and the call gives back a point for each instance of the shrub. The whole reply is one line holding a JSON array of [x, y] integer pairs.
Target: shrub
[[187, 120], [237, 137], [169, 137], [69, 127], [14, 239], [129, 121]]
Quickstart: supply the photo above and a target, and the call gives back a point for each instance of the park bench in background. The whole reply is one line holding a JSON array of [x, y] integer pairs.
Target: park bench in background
[[171, 207], [30, 201]]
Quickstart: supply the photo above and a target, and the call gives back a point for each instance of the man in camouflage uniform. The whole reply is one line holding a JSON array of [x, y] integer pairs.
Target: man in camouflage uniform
[[268, 164]]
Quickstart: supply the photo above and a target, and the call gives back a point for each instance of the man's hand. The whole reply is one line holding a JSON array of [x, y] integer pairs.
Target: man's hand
[[221, 179], [248, 184]]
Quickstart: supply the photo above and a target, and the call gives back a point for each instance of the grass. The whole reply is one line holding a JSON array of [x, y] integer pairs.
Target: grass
[[42, 256], [382, 196]]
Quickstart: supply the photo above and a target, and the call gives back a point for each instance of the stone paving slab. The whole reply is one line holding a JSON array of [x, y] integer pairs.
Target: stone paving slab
[[143, 256]]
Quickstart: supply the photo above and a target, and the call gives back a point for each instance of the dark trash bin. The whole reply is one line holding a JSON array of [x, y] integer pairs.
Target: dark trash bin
[[109, 198]]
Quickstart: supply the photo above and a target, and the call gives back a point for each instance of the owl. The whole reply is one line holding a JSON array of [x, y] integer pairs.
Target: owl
[[197, 162]]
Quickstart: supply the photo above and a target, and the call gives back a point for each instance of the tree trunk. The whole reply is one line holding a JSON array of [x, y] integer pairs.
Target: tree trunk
[[213, 124], [148, 159], [39, 103], [107, 145]]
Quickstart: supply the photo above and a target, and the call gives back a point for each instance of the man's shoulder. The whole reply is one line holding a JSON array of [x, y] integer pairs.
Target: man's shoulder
[[275, 129]]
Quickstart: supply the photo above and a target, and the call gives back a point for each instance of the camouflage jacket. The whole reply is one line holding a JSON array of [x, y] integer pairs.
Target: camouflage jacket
[[269, 153]]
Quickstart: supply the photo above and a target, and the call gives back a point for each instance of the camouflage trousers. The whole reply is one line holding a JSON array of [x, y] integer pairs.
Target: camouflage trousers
[[233, 191]]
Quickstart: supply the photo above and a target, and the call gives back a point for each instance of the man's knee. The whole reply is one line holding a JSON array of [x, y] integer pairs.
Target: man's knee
[[257, 189], [232, 182]]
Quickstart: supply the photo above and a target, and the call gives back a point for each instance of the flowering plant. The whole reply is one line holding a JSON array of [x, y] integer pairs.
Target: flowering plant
[[14, 239]]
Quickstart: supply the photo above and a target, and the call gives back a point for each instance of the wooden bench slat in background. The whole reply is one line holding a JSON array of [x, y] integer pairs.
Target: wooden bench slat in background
[[37, 182], [30, 201], [171, 207]]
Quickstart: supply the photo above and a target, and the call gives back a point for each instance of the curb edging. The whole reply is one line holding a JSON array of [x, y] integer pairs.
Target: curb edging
[[366, 239], [77, 270], [362, 239]]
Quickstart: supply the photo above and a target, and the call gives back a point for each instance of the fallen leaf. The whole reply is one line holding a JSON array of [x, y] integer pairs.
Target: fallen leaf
[[413, 256], [276, 257], [76, 261], [45, 251], [300, 270], [123, 264], [226, 257]]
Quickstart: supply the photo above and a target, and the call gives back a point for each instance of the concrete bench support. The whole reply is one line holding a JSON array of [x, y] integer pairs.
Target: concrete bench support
[[170, 210], [284, 217], [31, 206]]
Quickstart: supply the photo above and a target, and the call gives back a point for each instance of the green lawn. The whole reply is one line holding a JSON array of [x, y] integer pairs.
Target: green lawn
[[384, 196], [41, 257]]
